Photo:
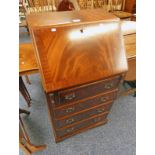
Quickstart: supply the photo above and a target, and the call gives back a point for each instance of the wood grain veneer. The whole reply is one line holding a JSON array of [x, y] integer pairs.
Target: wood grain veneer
[[75, 107], [100, 43], [101, 122], [81, 115], [74, 94], [83, 124], [30, 65]]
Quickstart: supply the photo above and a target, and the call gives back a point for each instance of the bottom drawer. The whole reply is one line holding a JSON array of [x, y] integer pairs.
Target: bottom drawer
[[83, 124]]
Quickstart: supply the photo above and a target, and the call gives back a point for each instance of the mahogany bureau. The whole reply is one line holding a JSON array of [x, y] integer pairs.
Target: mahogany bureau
[[82, 61]]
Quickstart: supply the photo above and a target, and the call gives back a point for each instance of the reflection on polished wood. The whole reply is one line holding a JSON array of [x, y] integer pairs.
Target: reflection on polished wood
[[30, 66], [65, 68], [60, 67], [128, 27]]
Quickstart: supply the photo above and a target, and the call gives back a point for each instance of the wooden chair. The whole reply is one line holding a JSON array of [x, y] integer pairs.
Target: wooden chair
[[33, 6], [22, 16], [24, 141], [109, 5], [117, 8], [40, 6], [114, 6], [22, 9]]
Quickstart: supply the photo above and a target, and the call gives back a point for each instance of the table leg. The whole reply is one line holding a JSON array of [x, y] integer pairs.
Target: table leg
[[23, 111], [24, 140], [27, 79], [24, 91]]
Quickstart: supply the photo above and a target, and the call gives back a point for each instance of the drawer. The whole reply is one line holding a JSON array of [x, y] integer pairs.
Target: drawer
[[84, 124], [85, 91], [91, 102], [83, 115]]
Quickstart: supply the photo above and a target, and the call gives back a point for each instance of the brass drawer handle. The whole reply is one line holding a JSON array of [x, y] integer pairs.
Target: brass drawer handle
[[71, 109], [100, 110], [103, 99], [70, 121], [108, 85], [70, 129], [70, 96]]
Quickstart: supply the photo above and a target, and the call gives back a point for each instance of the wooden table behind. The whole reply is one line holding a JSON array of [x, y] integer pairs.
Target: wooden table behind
[[27, 60]]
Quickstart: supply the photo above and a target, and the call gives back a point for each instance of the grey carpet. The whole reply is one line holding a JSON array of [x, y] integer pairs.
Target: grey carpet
[[115, 138]]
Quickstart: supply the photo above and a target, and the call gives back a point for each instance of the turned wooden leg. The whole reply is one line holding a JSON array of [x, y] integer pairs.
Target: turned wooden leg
[[26, 150], [24, 91], [24, 87], [34, 148], [23, 136], [24, 141], [29, 148], [27, 79], [21, 111]]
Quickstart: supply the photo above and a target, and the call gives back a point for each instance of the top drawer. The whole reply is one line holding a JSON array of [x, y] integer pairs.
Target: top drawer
[[85, 91]]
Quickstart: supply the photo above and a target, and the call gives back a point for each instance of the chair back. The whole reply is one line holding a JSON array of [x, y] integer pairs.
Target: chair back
[[22, 9], [108, 5], [40, 5]]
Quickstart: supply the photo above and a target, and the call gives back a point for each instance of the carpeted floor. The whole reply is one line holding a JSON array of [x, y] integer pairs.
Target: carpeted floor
[[115, 138]]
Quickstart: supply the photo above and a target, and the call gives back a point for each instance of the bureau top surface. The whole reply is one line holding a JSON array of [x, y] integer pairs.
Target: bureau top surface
[[72, 55], [68, 17]]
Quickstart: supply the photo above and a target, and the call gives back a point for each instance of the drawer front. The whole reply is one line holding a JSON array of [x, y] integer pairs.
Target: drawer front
[[81, 125], [84, 115], [98, 100], [85, 91]]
